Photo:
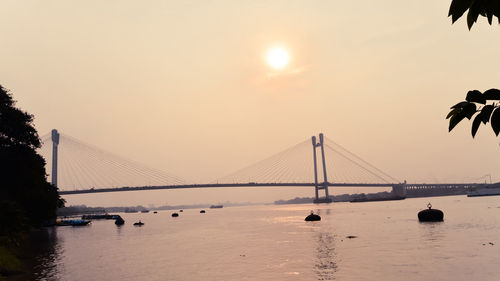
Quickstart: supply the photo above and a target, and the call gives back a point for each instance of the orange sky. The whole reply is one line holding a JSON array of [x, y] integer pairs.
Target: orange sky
[[183, 86]]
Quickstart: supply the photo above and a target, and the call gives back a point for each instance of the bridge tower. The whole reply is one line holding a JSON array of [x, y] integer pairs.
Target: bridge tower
[[55, 143], [324, 185]]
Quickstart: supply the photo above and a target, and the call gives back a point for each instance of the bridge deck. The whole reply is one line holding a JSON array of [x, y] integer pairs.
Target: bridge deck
[[251, 184]]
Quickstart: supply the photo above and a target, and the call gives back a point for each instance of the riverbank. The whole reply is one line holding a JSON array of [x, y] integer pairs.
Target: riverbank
[[85, 210], [381, 196]]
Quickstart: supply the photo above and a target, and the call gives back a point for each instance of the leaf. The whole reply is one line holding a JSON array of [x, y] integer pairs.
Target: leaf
[[475, 96], [475, 125], [473, 13], [455, 120], [459, 105], [453, 112], [495, 121], [486, 113], [469, 110], [492, 8], [458, 8], [492, 94]]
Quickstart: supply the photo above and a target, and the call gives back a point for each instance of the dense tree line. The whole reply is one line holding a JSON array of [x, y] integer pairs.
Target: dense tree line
[[26, 198]]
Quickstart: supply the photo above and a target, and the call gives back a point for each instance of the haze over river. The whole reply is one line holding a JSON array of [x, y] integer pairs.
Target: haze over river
[[272, 242]]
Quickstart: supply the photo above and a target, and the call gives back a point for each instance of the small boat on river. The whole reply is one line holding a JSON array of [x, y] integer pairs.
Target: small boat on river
[[119, 221], [72, 222], [139, 223]]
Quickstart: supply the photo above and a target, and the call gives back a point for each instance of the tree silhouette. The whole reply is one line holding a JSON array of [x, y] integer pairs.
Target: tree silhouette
[[26, 198], [475, 99], [485, 8]]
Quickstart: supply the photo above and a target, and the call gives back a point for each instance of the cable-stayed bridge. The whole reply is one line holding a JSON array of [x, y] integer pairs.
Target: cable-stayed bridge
[[77, 167]]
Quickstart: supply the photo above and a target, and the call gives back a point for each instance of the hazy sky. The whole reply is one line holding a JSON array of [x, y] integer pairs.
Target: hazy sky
[[183, 86]]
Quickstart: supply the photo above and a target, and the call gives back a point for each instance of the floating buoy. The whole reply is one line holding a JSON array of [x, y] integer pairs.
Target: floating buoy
[[202, 211], [313, 217], [430, 214], [119, 221], [175, 215]]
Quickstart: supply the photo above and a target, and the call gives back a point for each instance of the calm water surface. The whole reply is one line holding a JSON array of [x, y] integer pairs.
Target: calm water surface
[[275, 243]]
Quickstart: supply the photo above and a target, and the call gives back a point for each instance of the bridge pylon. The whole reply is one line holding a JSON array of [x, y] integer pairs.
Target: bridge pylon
[[55, 143], [324, 184]]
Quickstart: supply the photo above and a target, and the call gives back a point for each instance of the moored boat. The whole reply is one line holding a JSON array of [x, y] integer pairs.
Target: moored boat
[[139, 223], [119, 221], [75, 222]]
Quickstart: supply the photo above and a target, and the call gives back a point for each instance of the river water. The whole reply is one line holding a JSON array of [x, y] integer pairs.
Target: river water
[[273, 242]]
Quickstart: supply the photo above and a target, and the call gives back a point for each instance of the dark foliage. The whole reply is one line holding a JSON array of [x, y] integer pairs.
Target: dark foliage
[[485, 8], [26, 198], [475, 99], [472, 105]]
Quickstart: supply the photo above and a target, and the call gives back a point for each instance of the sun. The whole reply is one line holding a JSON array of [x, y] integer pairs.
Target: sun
[[278, 58]]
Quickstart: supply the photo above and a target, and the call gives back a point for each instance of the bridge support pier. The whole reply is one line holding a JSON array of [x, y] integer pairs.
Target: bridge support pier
[[55, 143], [325, 183], [399, 190]]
